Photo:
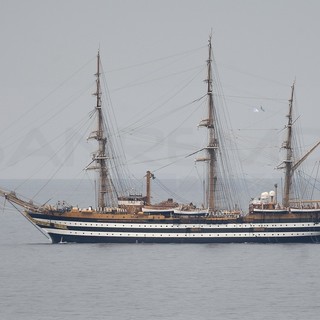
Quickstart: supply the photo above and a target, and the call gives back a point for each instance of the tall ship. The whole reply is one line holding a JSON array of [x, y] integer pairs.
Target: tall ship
[[133, 219]]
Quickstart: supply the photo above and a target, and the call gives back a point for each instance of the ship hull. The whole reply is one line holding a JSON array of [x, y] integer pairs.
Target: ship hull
[[98, 239], [63, 229]]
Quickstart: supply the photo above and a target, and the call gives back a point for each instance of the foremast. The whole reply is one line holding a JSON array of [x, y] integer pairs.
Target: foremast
[[100, 157], [212, 146]]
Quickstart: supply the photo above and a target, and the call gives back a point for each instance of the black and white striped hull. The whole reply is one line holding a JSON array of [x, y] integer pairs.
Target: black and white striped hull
[[154, 232]]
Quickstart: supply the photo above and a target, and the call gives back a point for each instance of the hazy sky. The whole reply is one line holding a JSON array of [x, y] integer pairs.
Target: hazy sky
[[153, 54]]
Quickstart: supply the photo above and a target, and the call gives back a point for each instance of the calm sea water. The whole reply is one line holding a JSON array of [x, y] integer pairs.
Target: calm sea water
[[39, 280]]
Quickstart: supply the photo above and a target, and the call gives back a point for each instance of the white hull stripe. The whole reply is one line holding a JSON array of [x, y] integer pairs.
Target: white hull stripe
[[178, 226], [184, 235]]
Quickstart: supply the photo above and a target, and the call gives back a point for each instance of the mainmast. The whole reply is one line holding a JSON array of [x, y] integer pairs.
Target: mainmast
[[289, 159], [212, 145]]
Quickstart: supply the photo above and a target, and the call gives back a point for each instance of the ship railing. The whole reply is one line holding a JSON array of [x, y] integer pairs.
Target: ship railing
[[305, 204], [226, 213], [111, 210]]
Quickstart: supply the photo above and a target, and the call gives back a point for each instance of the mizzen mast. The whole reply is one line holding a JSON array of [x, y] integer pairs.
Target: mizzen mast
[[289, 164], [289, 159]]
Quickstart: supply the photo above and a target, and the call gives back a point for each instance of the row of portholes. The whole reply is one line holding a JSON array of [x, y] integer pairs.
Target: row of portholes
[[177, 235], [173, 226]]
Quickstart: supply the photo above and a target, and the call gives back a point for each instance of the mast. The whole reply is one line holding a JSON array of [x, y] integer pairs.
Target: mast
[[289, 164], [212, 145], [100, 158], [212, 141], [289, 160]]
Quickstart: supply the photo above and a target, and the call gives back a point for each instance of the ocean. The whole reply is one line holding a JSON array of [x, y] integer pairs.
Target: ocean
[[42, 281]]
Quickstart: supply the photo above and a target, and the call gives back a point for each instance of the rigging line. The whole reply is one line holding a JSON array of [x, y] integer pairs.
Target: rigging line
[[169, 191], [160, 117], [308, 180], [231, 143], [31, 153], [135, 84], [137, 183], [188, 175], [168, 135], [165, 136], [219, 116], [264, 120], [109, 102], [191, 154], [155, 160], [260, 129], [155, 60], [118, 147], [43, 123], [197, 100], [30, 221], [258, 98], [167, 165], [45, 97], [72, 100], [60, 166], [163, 103], [253, 75]]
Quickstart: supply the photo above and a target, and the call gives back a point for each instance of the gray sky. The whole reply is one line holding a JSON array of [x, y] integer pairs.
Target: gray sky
[[149, 50]]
